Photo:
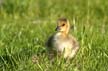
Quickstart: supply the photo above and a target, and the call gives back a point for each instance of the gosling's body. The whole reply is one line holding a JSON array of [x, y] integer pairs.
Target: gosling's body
[[61, 42], [65, 45]]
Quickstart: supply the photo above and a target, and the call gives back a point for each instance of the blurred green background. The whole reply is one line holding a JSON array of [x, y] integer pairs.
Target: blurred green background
[[25, 25]]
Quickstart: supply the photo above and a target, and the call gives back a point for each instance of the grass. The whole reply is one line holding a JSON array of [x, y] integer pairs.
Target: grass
[[25, 26]]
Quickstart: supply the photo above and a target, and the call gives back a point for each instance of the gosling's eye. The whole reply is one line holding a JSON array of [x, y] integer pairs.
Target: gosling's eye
[[63, 24]]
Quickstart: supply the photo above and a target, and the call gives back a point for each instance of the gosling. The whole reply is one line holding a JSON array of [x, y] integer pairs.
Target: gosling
[[62, 43]]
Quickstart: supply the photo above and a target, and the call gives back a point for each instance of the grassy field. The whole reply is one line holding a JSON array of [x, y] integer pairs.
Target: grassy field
[[25, 25]]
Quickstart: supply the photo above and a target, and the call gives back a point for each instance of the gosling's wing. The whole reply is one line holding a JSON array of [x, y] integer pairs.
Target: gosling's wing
[[75, 47], [75, 44], [49, 42], [49, 46], [74, 41]]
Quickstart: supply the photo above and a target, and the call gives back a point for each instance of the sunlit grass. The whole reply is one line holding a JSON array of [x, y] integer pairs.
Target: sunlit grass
[[23, 33]]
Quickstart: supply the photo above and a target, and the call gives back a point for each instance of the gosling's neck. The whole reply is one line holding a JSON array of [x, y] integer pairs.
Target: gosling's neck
[[63, 33]]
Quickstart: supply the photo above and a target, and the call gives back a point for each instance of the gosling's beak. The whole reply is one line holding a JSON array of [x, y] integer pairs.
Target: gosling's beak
[[57, 28]]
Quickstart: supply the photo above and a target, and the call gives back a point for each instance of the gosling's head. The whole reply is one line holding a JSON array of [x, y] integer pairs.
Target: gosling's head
[[63, 25]]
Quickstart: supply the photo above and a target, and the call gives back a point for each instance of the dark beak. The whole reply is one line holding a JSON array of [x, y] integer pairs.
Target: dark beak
[[57, 29]]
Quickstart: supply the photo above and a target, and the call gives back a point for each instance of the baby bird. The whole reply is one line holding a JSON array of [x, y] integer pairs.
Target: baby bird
[[62, 43]]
